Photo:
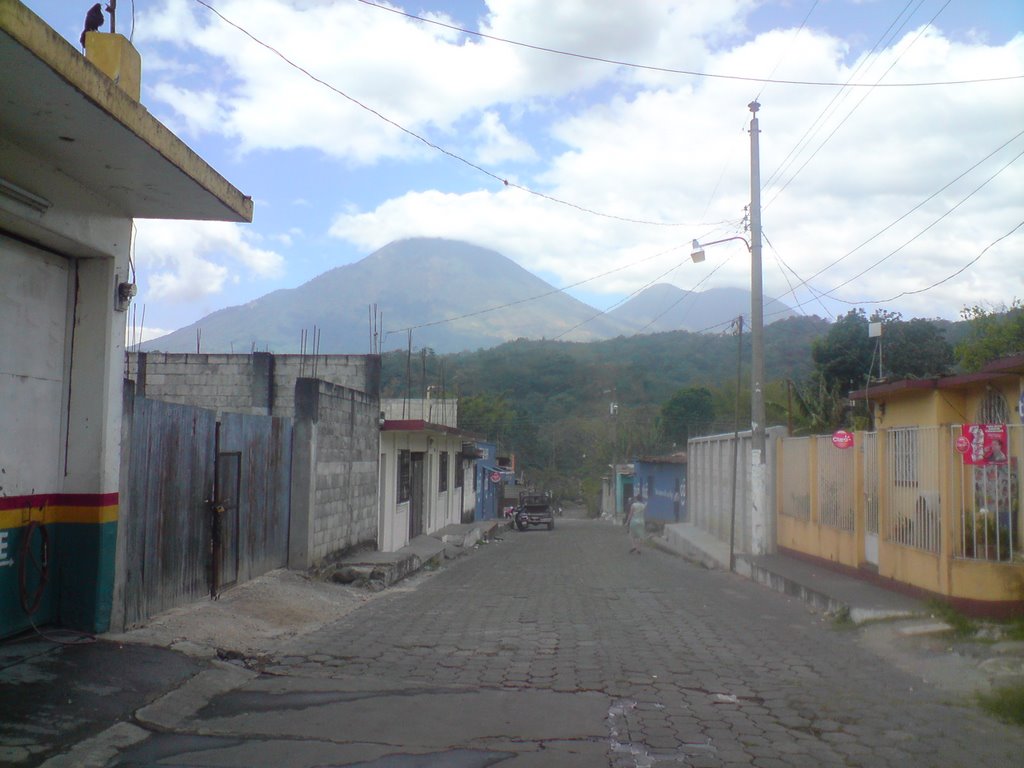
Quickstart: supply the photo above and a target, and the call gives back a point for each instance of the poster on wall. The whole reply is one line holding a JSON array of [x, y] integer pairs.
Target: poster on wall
[[982, 444]]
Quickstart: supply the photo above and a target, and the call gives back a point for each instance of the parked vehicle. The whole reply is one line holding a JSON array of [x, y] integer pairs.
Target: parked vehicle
[[534, 509]]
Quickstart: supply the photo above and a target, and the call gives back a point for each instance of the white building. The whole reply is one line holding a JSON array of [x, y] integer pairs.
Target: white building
[[426, 473], [79, 159]]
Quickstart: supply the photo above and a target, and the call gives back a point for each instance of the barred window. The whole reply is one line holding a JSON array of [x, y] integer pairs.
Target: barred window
[[404, 475], [993, 409], [904, 455]]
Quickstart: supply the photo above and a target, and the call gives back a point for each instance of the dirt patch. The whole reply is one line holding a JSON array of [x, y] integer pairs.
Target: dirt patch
[[255, 617]]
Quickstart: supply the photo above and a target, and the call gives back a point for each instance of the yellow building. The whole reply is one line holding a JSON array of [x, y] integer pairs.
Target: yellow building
[[928, 503]]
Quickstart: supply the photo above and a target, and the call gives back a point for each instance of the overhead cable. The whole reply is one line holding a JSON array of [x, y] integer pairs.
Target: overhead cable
[[504, 181], [671, 71]]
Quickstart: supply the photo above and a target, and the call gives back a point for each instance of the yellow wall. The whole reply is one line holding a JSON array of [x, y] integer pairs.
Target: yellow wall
[[115, 57]]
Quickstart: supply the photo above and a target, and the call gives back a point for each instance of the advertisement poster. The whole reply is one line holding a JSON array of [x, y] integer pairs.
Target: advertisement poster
[[982, 444]]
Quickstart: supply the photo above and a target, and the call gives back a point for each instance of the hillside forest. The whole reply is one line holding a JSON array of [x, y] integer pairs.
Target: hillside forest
[[568, 410]]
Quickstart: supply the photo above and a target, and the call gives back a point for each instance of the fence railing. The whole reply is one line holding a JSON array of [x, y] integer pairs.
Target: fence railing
[[836, 485], [989, 497], [796, 484], [869, 446], [911, 474]]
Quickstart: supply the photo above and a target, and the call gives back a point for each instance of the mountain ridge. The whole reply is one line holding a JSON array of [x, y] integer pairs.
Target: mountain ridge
[[452, 295]]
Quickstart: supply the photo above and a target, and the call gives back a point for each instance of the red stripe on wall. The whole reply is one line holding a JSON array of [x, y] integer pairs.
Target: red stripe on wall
[[61, 499]]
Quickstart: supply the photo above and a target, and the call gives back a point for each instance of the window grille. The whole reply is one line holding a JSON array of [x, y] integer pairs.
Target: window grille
[[903, 455], [993, 409]]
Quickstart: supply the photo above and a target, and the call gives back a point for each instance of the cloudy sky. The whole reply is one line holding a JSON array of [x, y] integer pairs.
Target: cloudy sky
[[621, 128]]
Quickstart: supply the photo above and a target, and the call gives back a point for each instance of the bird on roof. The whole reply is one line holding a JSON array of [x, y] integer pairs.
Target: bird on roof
[[93, 21]]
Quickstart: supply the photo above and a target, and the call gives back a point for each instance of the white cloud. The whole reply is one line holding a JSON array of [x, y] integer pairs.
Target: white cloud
[[497, 144], [185, 260], [680, 153], [629, 142]]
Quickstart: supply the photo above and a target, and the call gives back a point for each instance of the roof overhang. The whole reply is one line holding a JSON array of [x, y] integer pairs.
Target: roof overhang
[[672, 458], [420, 425], [1006, 368], [59, 107]]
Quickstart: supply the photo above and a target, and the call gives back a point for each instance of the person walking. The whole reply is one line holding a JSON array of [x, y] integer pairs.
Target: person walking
[[636, 523]]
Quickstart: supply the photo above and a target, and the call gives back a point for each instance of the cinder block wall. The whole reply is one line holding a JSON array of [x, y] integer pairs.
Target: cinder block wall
[[335, 480], [257, 383]]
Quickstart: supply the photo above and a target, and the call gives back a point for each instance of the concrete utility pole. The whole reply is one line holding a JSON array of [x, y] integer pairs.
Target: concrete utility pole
[[758, 474]]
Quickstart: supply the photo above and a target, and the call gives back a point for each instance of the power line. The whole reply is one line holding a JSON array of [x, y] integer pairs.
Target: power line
[[943, 280], [920, 205], [671, 71], [856, 106], [789, 48], [841, 93], [504, 181], [919, 234]]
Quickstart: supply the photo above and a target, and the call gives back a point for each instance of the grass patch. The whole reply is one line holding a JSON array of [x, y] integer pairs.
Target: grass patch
[[962, 625], [1006, 703], [841, 619], [1014, 630]]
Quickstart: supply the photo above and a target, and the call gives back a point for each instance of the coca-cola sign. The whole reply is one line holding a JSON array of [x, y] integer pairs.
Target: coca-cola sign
[[842, 439]]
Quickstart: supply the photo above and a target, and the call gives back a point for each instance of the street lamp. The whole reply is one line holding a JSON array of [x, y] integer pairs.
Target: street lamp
[[698, 247], [758, 470]]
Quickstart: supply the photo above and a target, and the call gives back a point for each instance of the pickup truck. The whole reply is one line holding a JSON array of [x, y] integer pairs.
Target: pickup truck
[[534, 509]]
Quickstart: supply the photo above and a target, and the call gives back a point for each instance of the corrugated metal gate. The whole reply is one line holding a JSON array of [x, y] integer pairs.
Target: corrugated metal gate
[[169, 457]]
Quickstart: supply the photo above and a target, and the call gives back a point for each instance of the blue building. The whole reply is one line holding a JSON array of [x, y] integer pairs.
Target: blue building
[[662, 480], [491, 474]]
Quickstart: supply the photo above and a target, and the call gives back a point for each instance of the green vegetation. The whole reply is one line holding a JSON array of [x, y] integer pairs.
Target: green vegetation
[[991, 334], [1006, 703], [962, 625], [568, 410]]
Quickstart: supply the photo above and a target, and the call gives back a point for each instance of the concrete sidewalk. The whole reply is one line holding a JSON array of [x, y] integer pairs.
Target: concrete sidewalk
[[386, 568], [825, 589]]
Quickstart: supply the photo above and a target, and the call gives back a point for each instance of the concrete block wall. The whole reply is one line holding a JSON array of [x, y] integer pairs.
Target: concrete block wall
[[335, 471], [434, 410], [257, 383]]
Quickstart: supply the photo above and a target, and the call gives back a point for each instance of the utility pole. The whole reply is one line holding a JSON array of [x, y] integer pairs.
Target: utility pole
[[758, 473]]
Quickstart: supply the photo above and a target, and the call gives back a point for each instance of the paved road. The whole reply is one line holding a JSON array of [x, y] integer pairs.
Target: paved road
[[562, 649]]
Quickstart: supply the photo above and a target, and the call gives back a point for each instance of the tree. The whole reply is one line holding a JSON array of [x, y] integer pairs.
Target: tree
[[689, 409], [842, 358], [992, 334], [916, 349]]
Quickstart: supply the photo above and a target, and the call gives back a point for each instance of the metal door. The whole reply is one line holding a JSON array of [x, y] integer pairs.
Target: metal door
[[227, 490]]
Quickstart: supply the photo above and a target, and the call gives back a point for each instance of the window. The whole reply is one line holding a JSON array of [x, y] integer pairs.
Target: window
[[442, 472], [993, 409], [460, 470], [903, 448], [404, 475]]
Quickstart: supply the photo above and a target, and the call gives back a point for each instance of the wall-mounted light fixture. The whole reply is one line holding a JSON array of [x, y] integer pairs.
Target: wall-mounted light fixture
[[125, 293]]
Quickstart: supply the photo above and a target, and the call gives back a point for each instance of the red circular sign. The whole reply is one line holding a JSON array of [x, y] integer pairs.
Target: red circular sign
[[495, 477], [963, 444], [842, 439]]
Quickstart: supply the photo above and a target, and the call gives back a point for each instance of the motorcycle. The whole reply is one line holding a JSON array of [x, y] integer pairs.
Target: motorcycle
[[522, 519]]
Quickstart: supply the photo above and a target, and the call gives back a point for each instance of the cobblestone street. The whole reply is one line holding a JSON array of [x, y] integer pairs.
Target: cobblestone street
[[560, 648]]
